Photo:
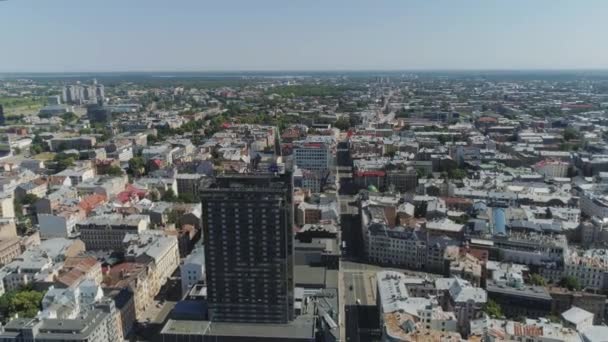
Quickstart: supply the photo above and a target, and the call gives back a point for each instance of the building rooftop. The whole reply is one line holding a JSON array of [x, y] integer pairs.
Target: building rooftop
[[300, 328]]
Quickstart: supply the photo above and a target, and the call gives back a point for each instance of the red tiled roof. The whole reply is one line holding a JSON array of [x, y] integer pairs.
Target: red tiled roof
[[90, 202]]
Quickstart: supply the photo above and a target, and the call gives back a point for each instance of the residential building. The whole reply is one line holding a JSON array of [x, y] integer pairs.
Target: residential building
[[97, 325], [62, 224], [590, 268], [488, 329], [7, 209], [404, 317], [107, 232], [463, 299], [564, 299], [159, 252]]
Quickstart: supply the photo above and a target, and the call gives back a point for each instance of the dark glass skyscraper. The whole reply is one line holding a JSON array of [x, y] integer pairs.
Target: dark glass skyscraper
[[248, 231], [2, 119]]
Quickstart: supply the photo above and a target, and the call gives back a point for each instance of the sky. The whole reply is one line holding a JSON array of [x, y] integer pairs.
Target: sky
[[236, 35]]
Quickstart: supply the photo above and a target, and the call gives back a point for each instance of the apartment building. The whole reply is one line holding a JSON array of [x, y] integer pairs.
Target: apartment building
[[107, 232], [159, 252]]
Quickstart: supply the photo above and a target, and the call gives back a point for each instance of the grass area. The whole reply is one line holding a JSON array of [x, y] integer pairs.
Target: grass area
[[21, 105], [44, 156]]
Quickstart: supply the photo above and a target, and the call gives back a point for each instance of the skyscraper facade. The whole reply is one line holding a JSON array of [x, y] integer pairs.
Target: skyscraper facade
[[247, 223], [2, 119]]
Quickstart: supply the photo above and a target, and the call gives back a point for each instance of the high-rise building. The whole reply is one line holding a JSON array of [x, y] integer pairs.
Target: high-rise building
[[248, 222], [2, 119], [100, 91]]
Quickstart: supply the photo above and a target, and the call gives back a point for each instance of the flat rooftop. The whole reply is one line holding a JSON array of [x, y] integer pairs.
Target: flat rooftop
[[301, 328]]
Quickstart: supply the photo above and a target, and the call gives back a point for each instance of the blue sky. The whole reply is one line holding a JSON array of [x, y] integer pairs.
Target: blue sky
[[222, 35]]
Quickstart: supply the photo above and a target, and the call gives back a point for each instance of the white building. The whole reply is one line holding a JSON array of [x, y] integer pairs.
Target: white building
[[7, 209], [314, 154], [552, 168], [540, 330], [578, 318], [408, 318], [162, 250], [464, 300], [590, 269], [397, 246], [193, 269]]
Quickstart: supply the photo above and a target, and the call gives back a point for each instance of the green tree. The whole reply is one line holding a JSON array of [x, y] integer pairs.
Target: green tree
[[169, 196], [69, 117], [537, 279], [29, 199], [137, 166], [570, 134], [172, 217], [114, 171], [457, 173], [342, 123], [25, 302], [570, 283], [492, 309], [63, 161]]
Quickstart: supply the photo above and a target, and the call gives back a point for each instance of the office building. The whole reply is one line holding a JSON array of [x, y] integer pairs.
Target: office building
[[247, 222], [97, 113], [314, 156]]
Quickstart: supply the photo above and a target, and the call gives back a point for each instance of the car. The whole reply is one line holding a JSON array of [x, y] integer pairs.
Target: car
[[350, 287]]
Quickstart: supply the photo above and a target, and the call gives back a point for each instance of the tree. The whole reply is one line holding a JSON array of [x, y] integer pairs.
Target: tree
[[342, 124], [69, 117], [172, 217], [457, 173], [137, 166], [421, 173], [114, 171], [570, 283], [492, 309], [169, 196], [29, 199], [38, 145], [63, 161], [570, 134], [25, 302], [537, 279]]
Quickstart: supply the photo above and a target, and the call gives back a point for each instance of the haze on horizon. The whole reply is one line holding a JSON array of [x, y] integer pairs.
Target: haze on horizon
[[233, 35]]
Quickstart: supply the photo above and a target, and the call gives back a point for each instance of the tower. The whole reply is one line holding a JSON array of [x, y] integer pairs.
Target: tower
[[2, 119], [247, 223]]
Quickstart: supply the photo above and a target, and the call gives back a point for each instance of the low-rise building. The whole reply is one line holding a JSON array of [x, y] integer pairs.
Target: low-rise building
[[488, 329], [97, 325], [404, 317], [192, 269]]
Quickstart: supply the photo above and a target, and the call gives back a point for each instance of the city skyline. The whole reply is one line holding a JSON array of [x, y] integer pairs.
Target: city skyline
[[311, 36]]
